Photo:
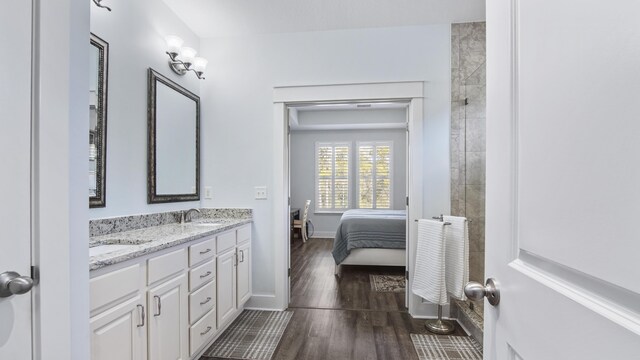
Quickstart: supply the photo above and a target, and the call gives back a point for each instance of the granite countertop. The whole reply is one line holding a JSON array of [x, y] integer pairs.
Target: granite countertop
[[140, 242]]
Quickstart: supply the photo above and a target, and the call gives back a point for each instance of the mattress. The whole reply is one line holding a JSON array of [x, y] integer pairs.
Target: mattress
[[365, 228]]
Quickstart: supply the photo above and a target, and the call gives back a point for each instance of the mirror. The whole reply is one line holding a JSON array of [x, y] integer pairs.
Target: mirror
[[99, 57], [174, 141]]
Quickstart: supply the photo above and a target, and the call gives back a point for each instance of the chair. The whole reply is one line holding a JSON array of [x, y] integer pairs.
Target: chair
[[302, 224]]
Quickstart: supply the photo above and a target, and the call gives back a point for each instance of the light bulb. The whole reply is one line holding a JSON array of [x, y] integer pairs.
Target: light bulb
[[174, 44], [200, 64], [187, 55]]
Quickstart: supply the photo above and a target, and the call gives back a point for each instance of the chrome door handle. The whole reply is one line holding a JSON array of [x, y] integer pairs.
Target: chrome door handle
[[11, 283], [205, 251], [158, 305], [476, 291], [242, 253], [205, 274]]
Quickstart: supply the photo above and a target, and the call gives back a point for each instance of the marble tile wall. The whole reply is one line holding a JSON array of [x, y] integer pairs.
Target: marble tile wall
[[468, 141]]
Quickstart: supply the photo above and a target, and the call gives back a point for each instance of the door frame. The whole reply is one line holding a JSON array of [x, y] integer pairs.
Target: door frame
[[410, 91], [60, 209]]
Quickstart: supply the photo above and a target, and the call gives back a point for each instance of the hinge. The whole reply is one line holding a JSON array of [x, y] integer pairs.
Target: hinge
[[289, 272], [289, 201], [407, 127], [407, 201], [288, 129], [466, 101], [406, 275]]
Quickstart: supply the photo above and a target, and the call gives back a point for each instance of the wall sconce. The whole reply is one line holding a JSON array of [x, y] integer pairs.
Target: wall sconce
[[183, 59], [99, 4]]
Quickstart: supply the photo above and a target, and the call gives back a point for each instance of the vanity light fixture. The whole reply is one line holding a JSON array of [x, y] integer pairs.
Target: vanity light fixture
[[99, 4], [183, 59]]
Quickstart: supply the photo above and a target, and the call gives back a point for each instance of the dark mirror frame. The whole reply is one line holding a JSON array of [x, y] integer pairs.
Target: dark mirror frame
[[152, 197], [100, 135]]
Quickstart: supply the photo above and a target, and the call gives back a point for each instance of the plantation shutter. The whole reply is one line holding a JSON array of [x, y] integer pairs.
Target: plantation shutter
[[374, 175], [332, 176]]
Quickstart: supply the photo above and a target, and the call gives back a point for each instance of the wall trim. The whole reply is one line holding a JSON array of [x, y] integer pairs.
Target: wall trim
[[323, 234]]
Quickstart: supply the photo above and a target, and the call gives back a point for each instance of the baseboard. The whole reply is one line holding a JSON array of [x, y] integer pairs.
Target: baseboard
[[267, 302], [323, 234]]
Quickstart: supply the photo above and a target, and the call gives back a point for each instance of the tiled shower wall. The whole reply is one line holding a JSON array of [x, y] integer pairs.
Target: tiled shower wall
[[468, 82]]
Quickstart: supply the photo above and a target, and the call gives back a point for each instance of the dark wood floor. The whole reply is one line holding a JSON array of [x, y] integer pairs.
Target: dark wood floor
[[313, 284], [342, 318]]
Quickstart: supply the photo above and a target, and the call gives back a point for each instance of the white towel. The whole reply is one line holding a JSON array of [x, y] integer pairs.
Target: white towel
[[429, 275], [457, 255]]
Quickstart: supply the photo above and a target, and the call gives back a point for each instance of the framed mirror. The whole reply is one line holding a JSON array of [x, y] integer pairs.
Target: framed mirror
[[99, 66], [174, 141]]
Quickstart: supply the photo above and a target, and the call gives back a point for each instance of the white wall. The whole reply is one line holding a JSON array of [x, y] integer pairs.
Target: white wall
[[303, 168], [135, 32], [237, 109]]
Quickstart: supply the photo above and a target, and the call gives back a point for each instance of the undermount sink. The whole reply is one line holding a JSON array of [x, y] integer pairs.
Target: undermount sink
[[105, 249], [205, 224]]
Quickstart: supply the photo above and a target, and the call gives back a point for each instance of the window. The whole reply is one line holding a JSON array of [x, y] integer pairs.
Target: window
[[332, 176], [374, 175]]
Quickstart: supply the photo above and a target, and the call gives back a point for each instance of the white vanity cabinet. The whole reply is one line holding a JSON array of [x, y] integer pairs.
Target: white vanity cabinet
[[234, 272], [173, 303], [120, 332], [244, 273], [168, 324]]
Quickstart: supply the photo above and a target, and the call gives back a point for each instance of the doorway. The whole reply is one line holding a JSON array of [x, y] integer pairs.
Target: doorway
[[348, 159], [284, 97]]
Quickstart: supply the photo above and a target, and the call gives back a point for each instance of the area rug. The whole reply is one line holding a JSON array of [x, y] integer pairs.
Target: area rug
[[387, 283], [254, 335], [440, 347]]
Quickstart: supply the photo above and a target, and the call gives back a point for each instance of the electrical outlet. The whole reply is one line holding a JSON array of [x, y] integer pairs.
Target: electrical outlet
[[207, 193], [261, 192]]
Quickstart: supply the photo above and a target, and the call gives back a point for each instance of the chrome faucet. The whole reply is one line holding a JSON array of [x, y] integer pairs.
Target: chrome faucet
[[185, 217]]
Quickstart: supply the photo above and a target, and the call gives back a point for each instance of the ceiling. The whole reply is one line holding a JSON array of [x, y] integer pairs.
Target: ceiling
[[214, 18]]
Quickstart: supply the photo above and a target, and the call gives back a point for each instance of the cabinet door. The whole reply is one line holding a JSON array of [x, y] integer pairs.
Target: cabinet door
[[168, 320], [226, 286], [120, 333], [244, 273]]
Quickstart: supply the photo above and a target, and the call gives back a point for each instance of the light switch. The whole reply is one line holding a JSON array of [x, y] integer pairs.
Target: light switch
[[207, 193], [261, 192]]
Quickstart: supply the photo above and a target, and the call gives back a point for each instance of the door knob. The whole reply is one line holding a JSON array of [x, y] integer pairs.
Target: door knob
[[11, 283], [476, 291]]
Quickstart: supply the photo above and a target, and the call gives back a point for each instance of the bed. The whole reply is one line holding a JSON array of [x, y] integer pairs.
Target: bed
[[371, 237]]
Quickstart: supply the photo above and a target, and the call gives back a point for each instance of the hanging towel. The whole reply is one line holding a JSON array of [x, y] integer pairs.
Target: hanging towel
[[457, 255], [429, 276]]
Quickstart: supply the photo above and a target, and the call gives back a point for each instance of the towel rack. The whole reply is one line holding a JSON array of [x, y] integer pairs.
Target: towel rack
[[440, 326], [447, 223]]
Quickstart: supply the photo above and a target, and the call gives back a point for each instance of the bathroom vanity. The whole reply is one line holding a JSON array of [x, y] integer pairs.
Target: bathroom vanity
[[167, 291]]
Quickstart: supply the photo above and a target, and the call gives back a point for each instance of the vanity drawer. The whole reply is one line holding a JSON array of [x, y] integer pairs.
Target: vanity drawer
[[202, 331], [116, 285], [244, 234], [201, 301], [202, 251], [226, 241], [202, 274], [165, 265]]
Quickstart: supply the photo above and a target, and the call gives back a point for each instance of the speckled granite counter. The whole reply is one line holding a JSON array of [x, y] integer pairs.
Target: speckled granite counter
[[143, 241]]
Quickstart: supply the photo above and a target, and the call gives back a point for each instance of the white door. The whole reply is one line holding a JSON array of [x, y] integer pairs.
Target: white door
[[226, 286], [120, 333], [15, 175], [168, 320], [244, 273], [563, 179]]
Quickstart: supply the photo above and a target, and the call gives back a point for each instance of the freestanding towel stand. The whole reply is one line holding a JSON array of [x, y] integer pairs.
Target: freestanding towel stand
[[440, 326]]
